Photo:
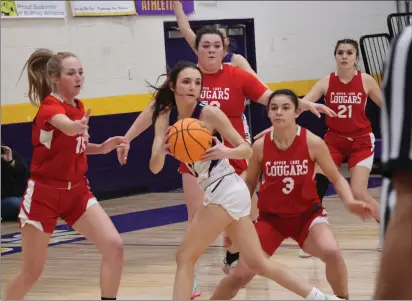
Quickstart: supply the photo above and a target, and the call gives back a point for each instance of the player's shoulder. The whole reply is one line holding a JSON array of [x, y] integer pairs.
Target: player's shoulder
[[234, 70], [326, 79], [312, 139], [51, 105], [51, 100], [366, 77], [258, 144]]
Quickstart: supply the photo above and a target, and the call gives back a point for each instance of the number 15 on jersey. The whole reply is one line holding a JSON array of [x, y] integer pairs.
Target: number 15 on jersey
[[81, 144]]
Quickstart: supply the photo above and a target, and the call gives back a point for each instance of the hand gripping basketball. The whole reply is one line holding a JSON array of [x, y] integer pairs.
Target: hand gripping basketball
[[188, 139]]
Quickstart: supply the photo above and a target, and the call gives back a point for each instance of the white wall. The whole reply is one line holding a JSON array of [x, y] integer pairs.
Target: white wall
[[294, 41]]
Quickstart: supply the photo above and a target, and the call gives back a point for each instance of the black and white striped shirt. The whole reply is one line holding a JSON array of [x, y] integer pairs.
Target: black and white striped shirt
[[396, 115]]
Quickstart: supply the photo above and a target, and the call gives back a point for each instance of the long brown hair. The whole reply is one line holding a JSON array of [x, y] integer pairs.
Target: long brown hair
[[42, 66]]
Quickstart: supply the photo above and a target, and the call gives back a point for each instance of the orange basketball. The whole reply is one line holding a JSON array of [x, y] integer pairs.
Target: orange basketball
[[189, 139]]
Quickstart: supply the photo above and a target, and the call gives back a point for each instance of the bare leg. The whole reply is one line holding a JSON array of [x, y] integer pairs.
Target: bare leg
[[244, 234], [207, 224], [359, 177], [34, 253], [394, 279], [254, 212], [230, 285], [193, 195], [321, 242], [97, 227]]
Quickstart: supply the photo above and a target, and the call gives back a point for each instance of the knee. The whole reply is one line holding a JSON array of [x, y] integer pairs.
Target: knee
[[332, 255], [240, 280], [31, 273], [258, 265], [185, 257], [114, 248]]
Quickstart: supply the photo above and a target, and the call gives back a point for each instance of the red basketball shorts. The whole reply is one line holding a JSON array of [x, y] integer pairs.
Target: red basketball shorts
[[274, 229], [359, 151], [45, 201]]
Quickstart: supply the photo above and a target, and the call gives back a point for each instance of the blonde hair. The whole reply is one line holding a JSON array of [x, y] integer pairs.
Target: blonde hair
[[42, 65]]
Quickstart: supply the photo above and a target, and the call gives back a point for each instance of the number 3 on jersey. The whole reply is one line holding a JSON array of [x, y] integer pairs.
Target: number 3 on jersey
[[81, 144], [345, 111], [290, 184]]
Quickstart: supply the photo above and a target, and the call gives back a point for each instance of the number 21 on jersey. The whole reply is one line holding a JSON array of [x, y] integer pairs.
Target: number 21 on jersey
[[345, 111]]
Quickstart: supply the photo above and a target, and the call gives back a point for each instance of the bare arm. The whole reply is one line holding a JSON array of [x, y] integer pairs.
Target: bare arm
[[107, 146], [184, 25], [93, 149], [241, 62], [253, 170], [373, 89], [68, 126], [216, 119], [324, 160], [318, 90], [142, 123], [157, 158]]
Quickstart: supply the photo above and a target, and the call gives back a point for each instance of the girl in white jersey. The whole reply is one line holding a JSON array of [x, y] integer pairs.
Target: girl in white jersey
[[226, 205]]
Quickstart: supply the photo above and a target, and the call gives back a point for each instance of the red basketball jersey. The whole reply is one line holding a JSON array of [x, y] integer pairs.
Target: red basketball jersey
[[349, 103], [228, 90], [57, 156], [289, 185]]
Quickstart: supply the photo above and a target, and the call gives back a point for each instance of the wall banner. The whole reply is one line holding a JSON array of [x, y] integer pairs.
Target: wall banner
[[103, 8], [162, 7], [11, 9]]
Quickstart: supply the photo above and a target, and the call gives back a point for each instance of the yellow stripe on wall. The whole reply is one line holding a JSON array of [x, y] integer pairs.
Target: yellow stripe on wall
[[20, 113]]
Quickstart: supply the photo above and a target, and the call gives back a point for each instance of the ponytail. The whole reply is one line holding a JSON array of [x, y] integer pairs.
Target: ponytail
[[41, 66], [37, 73], [164, 99]]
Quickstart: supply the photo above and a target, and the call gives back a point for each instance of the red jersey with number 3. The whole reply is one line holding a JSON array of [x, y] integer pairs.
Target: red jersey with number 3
[[349, 102], [228, 90], [289, 186], [57, 156]]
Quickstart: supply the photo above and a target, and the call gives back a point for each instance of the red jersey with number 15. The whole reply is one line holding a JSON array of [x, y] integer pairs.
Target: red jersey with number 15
[[57, 156], [349, 102], [289, 186]]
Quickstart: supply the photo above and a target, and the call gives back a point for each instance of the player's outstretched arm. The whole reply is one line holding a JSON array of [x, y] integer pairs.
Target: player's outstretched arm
[[321, 154]]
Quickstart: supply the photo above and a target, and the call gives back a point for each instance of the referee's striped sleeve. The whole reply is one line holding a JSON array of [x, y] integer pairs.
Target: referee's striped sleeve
[[396, 115]]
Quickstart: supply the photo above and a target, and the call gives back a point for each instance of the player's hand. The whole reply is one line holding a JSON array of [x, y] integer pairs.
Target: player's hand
[[166, 148], [219, 151], [82, 127], [262, 133], [316, 108], [360, 208], [122, 153], [177, 4], [7, 154], [112, 143]]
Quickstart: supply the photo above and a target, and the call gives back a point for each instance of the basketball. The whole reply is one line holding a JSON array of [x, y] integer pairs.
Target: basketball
[[189, 139]]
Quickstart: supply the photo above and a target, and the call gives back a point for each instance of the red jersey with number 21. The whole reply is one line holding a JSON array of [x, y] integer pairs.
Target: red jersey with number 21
[[57, 156], [289, 187], [349, 102]]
